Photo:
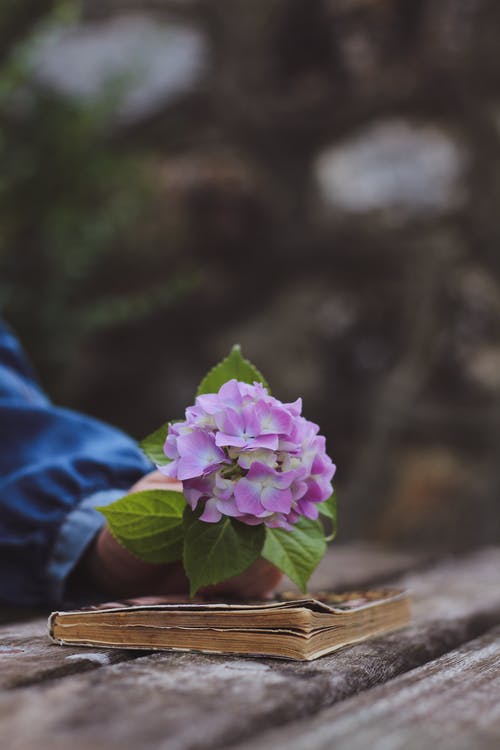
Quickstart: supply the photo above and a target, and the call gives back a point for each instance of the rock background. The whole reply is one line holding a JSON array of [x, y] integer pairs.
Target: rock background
[[327, 174]]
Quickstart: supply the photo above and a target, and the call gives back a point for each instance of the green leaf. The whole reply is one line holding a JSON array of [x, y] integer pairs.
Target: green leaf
[[214, 552], [233, 366], [152, 445], [149, 524], [297, 553], [328, 509]]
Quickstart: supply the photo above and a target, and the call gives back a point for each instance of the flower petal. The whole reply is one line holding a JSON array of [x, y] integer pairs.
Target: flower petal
[[308, 509], [195, 489], [228, 508], [295, 408], [273, 419], [247, 496], [284, 479], [230, 422], [211, 514], [229, 395], [298, 489], [199, 453], [264, 456], [317, 491], [224, 488], [278, 522], [209, 402], [279, 501], [263, 441], [169, 470], [223, 439], [260, 472], [170, 446]]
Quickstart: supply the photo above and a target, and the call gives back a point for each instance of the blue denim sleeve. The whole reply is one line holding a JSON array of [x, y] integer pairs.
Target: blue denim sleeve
[[55, 466]]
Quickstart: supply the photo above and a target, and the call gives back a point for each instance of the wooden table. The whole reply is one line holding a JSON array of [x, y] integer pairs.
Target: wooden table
[[435, 684]]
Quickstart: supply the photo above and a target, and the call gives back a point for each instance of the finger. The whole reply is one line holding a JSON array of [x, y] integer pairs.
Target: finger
[[257, 582], [156, 480], [118, 571]]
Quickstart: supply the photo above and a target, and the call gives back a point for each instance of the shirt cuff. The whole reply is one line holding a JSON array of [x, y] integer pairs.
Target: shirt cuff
[[76, 533]]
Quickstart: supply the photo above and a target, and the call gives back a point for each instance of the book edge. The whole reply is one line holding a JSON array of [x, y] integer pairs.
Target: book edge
[[305, 603], [306, 657]]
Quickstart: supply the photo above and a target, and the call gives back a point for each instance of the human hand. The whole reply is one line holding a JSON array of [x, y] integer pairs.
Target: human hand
[[120, 573]]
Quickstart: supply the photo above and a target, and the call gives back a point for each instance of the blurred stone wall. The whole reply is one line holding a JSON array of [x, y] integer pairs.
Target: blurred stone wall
[[331, 169]]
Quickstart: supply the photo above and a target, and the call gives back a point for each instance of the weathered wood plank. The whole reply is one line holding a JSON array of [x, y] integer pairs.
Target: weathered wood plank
[[186, 701], [452, 703], [27, 657]]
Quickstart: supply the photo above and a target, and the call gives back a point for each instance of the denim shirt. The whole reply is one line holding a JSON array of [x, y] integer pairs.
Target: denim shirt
[[55, 466]]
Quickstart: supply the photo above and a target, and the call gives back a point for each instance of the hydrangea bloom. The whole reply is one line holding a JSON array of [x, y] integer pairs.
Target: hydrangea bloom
[[242, 453]]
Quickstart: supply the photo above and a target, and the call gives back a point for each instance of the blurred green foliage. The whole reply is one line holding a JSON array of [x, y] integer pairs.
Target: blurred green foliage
[[80, 249]]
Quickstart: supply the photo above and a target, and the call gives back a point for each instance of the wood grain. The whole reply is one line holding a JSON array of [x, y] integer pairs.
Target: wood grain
[[452, 703], [180, 701], [27, 657]]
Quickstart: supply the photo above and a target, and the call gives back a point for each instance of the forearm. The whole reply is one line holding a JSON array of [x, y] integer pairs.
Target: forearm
[[55, 466]]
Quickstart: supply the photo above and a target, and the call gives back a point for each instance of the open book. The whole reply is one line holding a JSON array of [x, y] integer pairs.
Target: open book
[[286, 627]]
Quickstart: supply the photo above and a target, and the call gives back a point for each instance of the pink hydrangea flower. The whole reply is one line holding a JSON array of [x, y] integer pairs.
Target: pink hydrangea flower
[[244, 454]]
